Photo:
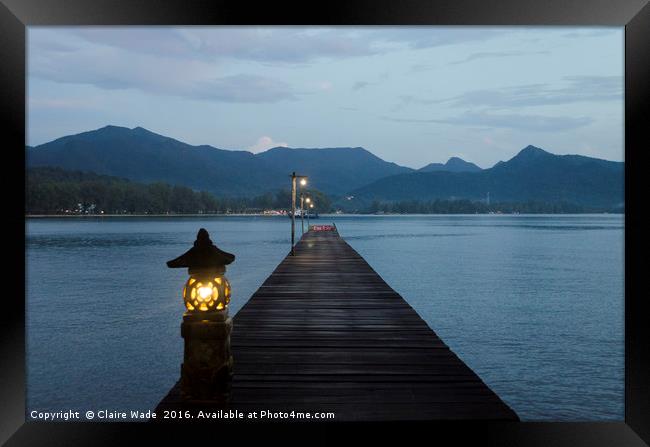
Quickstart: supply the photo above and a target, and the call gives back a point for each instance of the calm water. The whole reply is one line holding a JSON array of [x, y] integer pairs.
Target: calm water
[[533, 304]]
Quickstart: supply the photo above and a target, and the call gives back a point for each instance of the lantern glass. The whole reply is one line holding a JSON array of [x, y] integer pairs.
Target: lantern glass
[[206, 293]]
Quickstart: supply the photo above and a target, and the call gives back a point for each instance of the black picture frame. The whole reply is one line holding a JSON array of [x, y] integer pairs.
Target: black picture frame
[[15, 15]]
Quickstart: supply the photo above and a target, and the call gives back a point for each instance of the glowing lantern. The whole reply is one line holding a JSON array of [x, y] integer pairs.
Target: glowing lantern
[[207, 290], [204, 292]]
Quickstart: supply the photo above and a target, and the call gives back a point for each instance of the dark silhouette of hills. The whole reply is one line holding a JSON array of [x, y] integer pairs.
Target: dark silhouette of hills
[[532, 175], [143, 156], [454, 164], [333, 170], [146, 157]]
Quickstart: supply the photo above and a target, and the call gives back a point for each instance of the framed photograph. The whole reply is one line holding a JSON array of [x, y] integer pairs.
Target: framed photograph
[[387, 218]]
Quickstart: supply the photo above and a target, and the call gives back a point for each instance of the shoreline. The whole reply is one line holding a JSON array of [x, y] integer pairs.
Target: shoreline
[[77, 216], [153, 215]]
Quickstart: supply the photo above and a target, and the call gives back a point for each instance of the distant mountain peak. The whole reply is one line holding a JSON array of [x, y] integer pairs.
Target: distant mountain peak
[[459, 162], [454, 164], [110, 128], [530, 149], [113, 129], [529, 154]]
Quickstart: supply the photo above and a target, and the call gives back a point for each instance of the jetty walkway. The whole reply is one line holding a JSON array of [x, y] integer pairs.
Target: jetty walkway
[[325, 333]]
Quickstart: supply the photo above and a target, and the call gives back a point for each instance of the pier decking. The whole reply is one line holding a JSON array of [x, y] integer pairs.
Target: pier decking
[[325, 333]]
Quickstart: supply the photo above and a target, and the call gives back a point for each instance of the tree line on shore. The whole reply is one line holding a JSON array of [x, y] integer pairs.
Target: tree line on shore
[[463, 206], [58, 191]]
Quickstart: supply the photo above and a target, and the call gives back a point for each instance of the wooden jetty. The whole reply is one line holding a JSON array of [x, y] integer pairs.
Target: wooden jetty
[[325, 333]]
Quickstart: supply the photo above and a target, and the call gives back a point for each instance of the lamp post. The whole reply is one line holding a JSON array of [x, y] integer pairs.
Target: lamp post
[[302, 214], [310, 205], [206, 371], [303, 182]]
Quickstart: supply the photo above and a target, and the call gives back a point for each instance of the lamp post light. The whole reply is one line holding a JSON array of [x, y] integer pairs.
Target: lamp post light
[[310, 205], [303, 182], [206, 371]]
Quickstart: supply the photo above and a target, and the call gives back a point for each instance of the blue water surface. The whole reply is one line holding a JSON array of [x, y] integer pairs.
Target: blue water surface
[[533, 304]]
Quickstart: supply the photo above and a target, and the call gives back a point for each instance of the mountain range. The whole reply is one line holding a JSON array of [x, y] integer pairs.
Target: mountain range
[[143, 156], [532, 174], [353, 175]]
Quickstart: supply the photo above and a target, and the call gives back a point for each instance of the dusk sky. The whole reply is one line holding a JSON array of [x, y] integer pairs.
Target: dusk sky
[[411, 95]]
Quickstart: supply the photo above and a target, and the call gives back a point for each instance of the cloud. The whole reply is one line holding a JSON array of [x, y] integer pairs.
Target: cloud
[[359, 85], [598, 32], [325, 85], [407, 100], [191, 62], [111, 69], [260, 43], [497, 54], [243, 88], [521, 122], [67, 103], [264, 143], [576, 89], [429, 37]]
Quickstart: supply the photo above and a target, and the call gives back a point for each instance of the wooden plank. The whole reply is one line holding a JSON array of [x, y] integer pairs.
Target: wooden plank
[[326, 333]]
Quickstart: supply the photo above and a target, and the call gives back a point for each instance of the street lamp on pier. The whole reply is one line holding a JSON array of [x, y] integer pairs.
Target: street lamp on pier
[[302, 213], [303, 181], [309, 205]]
